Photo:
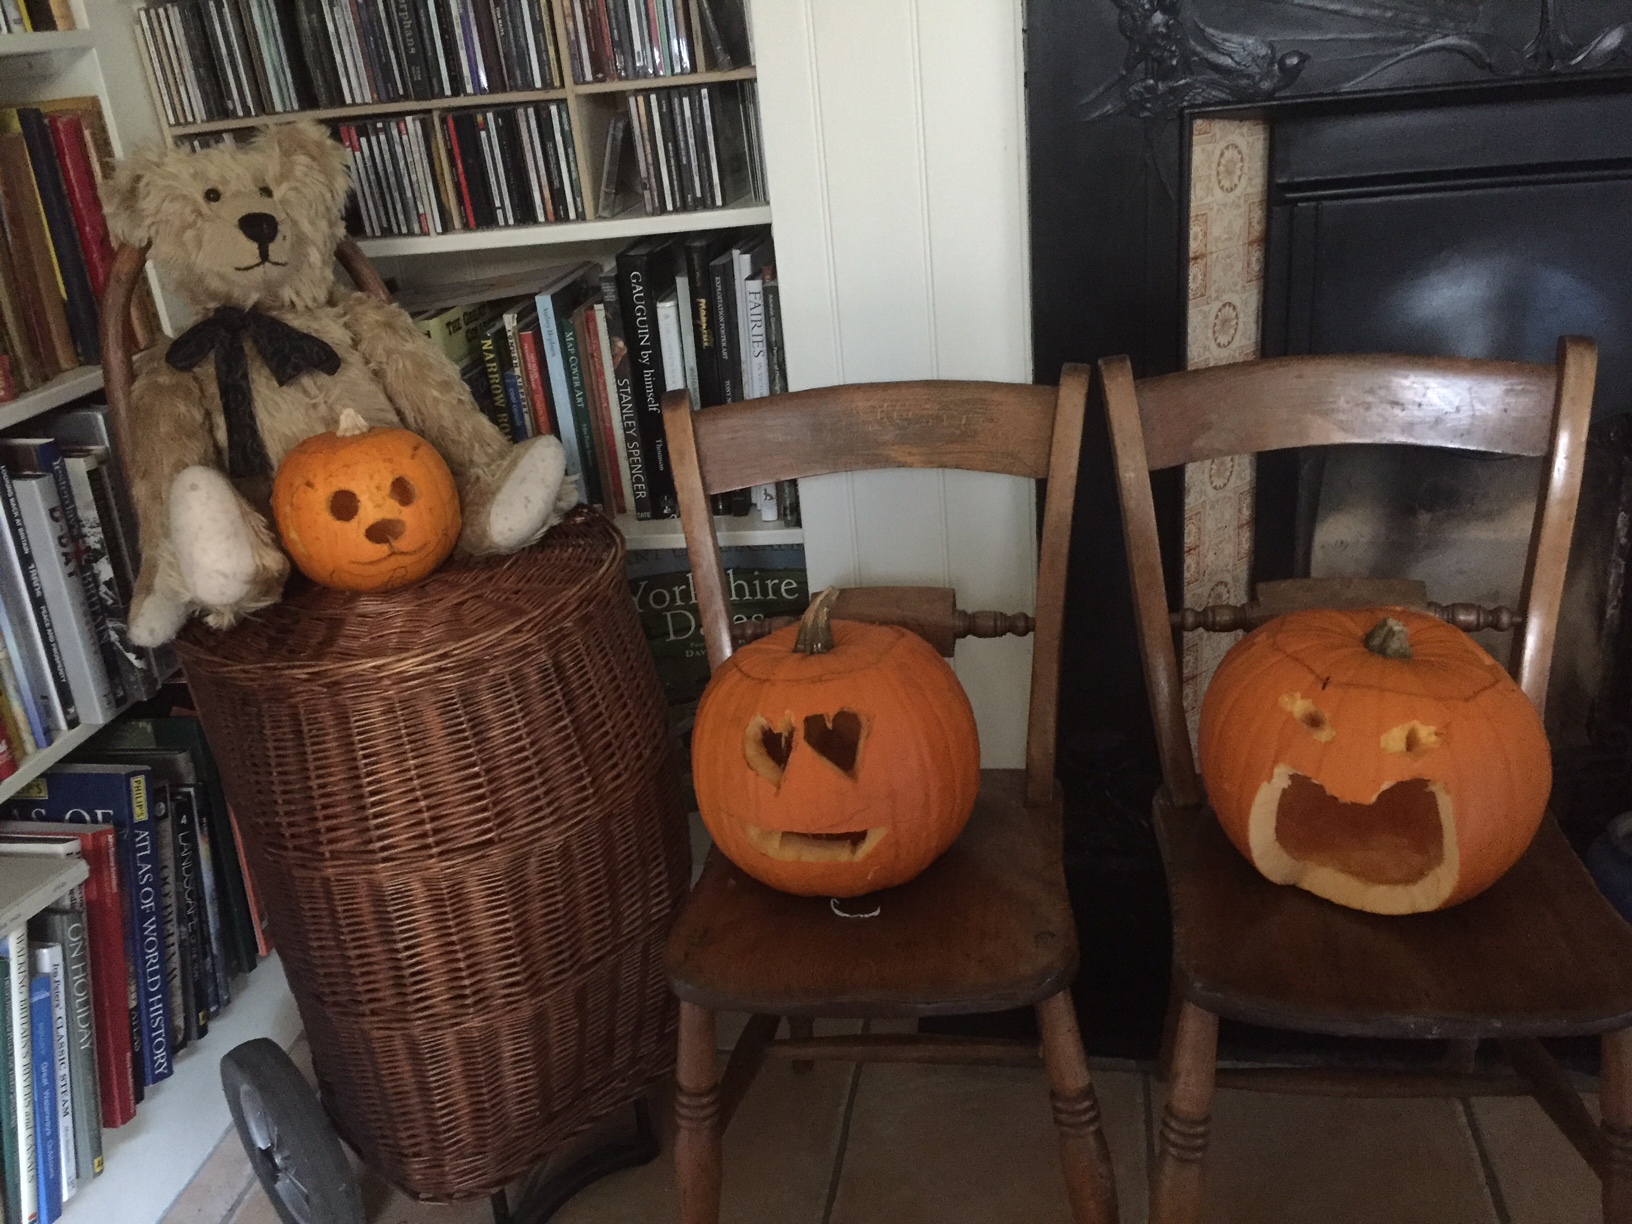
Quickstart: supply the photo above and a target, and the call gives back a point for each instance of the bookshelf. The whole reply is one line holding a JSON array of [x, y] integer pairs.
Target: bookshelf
[[63, 389], [28, 885]]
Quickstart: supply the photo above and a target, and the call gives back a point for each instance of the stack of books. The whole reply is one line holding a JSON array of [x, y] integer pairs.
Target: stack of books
[[55, 255], [622, 40], [35, 16], [68, 563], [237, 59], [586, 352], [105, 988]]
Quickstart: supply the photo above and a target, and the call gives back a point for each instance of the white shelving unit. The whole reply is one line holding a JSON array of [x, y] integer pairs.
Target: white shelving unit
[[617, 229], [734, 531], [62, 389], [29, 884]]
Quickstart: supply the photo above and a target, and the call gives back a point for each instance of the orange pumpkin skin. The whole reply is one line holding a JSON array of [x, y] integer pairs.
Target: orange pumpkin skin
[[1435, 768], [905, 797], [366, 509]]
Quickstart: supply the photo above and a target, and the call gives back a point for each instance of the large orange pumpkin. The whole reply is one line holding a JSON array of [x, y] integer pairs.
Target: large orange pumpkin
[[1376, 757], [365, 509], [834, 758]]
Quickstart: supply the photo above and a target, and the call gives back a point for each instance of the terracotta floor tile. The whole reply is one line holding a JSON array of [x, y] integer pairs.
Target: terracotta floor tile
[[1542, 1178], [944, 1145], [1295, 1159]]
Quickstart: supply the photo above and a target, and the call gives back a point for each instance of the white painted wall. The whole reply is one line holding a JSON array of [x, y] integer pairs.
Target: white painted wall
[[894, 138]]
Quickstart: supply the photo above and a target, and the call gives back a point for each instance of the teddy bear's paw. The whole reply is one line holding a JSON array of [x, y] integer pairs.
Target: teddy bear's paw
[[155, 619], [526, 502], [215, 547]]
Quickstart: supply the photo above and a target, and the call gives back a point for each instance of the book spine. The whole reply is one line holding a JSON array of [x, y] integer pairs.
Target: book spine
[[65, 597], [627, 414], [497, 406], [48, 963], [68, 135], [640, 332], [178, 984], [580, 414], [10, 1166], [190, 898], [150, 968], [43, 1078], [59, 220], [221, 985], [65, 712], [555, 362], [534, 369], [600, 408], [67, 927], [22, 1063], [127, 662], [613, 426]]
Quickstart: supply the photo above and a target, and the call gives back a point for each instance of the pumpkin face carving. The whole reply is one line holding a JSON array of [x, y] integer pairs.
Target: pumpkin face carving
[[1376, 757], [835, 758], [365, 509]]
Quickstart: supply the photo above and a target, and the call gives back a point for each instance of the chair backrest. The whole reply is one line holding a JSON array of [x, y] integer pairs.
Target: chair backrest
[[1500, 407], [117, 349], [1014, 429]]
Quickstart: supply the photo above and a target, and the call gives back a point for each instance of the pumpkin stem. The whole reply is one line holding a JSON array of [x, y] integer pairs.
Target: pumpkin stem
[[816, 626], [351, 424], [1389, 638]]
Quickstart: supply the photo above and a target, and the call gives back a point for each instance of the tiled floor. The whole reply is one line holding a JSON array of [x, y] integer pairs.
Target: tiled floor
[[914, 1145]]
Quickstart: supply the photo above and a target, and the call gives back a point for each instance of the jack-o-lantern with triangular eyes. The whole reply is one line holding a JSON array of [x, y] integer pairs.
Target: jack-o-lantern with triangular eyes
[[365, 509], [1377, 757], [835, 758]]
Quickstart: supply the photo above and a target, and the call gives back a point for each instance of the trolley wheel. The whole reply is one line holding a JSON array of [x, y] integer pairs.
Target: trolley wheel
[[295, 1152]]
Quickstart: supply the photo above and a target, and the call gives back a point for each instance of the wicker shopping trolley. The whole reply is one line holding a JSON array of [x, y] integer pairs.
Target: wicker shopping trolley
[[461, 810]]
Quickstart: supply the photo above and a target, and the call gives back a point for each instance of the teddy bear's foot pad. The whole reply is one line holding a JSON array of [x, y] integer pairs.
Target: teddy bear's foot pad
[[526, 502]]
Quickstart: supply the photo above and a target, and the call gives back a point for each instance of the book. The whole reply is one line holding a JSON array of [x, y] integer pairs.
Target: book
[[190, 908], [111, 980], [48, 963], [45, 522], [35, 264], [64, 927], [10, 1169], [43, 1080], [177, 972], [556, 298], [610, 394], [118, 795], [645, 273], [80, 301], [22, 1077], [627, 416], [596, 473], [79, 179]]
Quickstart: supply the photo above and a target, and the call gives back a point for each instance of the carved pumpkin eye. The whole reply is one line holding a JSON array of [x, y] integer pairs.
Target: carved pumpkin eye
[[343, 505], [402, 491], [767, 748], [836, 739], [212, 195]]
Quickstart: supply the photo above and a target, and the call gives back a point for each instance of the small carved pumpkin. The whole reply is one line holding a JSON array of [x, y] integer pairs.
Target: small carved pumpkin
[[1376, 757], [365, 509], [835, 758]]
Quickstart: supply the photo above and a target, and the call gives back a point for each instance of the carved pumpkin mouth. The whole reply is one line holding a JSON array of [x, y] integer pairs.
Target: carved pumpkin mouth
[[1388, 856], [791, 847]]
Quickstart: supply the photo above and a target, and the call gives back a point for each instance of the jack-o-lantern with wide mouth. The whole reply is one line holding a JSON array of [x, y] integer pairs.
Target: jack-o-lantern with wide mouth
[[365, 509], [835, 758], [1377, 757]]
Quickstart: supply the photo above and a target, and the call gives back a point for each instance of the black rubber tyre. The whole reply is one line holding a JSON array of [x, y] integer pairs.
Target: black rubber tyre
[[291, 1145]]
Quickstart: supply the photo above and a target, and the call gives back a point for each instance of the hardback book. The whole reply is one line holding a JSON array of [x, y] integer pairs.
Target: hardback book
[[48, 962], [190, 905], [219, 987], [22, 588], [22, 1061], [65, 926], [595, 423], [21, 711], [177, 970], [43, 1080], [556, 298], [118, 795], [79, 178], [47, 528], [112, 980], [10, 1170], [610, 393], [645, 274], [79, 298], [34, 261], [627, 415], [23, 346]]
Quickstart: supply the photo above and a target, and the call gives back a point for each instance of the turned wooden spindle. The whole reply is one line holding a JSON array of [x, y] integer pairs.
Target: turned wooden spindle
[[930, 612], [1226, 618], [1470, 618], [992, 624]]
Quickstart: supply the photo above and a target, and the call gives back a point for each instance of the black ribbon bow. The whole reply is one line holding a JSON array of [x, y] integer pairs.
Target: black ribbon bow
[[287, 351]]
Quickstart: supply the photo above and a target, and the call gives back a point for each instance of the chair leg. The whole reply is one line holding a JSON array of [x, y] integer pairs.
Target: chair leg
[[1615, 1103], [697, 1155], [802, 1028], [1175, 1188], [1089, 1181]]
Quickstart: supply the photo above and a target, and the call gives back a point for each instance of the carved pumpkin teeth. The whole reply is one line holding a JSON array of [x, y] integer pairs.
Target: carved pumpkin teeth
[[768, 748], [836, 739], [790, 847]]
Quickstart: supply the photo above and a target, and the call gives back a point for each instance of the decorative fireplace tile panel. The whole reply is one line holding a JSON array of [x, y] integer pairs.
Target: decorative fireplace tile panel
[[1229, 183]]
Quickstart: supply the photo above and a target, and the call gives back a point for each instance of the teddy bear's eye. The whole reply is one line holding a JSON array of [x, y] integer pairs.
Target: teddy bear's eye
[[267, 192], [212, 195]]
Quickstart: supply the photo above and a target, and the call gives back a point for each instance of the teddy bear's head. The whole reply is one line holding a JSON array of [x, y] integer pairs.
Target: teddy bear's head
[[250, 226]]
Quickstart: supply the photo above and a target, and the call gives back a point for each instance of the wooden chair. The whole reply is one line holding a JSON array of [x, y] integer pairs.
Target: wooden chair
[[1540, 953], [988, 926]]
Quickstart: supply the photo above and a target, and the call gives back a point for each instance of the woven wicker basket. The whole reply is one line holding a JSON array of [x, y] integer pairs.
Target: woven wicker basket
[[460, 807]]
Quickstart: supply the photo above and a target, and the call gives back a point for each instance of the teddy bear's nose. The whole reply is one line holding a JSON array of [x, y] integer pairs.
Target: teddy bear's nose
[[260, 228], [384, 531]]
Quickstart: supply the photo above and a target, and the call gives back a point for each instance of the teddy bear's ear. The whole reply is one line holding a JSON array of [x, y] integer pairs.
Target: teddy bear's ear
[[123, 192], [309, 153]]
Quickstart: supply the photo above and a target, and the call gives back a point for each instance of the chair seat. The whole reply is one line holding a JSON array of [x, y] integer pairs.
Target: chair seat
[[1540, 953], [987, 926]]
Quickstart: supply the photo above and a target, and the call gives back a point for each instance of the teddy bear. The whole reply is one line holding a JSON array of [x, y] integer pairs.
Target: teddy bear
[[246, 236]]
